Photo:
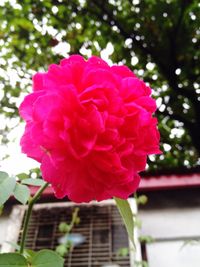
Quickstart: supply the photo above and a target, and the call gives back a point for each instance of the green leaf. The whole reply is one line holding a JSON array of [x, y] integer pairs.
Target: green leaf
[[12, 260], [62, 250], [123, 252], [7, 185], [47, 258], [29, 254], [34, 182], [22, 176], [3, 176], [64, 227], [22, 193], [1, 209], [138, 222], [142, 200], [141, 264], [127, 215]]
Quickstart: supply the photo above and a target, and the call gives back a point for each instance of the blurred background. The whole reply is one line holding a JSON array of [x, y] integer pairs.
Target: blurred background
[[158, 40]]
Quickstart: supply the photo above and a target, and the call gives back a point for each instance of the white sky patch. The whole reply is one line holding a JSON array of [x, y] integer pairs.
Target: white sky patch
[[2, 2], [12, 2], [86, 52], [140, 72], [162, 108], [155, 77], [54, 9], [13, 77], [167, 147], [82, 2], [150, 66], [176, 133], [164, 87], [192, 16], [152, 158], [1, 92], [134, 60], [20, 98], [78, 26], [186, 106], [136, 2], [11, 158], [105, 53], [166, 98], [128, 42], [62, 49], [60, 35], [194, 40], [159, 101], [178, 71], [196, 86], [96, 44], [3, 74], [16, 162], [2, 61], [186, 162]]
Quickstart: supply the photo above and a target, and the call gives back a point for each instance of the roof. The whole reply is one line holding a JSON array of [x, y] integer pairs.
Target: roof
[[172, 181], [153, 183]]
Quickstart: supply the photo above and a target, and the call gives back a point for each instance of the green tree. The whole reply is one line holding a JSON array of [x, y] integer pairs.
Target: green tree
[[157, 39]]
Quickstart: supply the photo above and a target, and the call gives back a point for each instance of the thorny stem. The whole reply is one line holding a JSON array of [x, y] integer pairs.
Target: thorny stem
[[28, 215]]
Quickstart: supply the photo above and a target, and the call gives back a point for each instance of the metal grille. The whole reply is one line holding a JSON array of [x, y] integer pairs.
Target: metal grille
[[101, 226]]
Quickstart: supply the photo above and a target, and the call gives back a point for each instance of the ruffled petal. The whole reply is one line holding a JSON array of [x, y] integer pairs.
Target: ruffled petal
[[91, 128], [26, 107]]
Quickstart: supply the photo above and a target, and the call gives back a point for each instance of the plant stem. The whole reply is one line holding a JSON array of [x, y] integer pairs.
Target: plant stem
[[28, 215]]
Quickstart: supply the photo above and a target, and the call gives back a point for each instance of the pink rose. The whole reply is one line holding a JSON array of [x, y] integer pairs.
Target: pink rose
[[91, 128]]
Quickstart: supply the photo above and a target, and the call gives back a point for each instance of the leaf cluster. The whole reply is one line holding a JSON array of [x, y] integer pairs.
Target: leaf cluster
[[43, 258], [12, 186]]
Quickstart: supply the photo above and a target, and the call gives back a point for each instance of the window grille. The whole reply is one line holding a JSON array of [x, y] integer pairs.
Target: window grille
[[100, 224]]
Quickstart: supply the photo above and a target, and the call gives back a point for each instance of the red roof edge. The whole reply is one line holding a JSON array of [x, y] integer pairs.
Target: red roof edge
[[166, 182], [153, 183]]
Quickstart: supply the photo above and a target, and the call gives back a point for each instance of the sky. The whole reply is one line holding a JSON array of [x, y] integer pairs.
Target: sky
[[17, 162]]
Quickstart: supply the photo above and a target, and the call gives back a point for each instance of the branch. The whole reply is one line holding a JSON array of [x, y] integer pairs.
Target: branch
[[124, 33], [167, 73], [180, 18], [28, 215]]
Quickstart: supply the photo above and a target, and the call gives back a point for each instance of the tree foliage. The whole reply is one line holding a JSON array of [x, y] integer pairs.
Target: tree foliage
[[157, 39]]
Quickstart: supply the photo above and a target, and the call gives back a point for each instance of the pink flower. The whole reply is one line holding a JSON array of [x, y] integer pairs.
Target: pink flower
[[91, 128]]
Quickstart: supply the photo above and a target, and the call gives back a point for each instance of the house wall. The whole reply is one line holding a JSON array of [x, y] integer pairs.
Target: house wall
[[172, 219], [4, 221]]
